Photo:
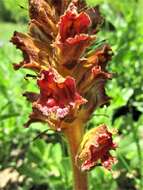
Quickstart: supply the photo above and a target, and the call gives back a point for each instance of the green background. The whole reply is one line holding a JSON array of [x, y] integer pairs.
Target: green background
[[44, 164]]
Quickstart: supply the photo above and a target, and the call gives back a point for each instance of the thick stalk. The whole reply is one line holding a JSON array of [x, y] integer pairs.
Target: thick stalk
[[74, 134]]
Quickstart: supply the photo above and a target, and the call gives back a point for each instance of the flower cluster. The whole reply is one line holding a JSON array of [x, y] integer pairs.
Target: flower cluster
[[70, 76]]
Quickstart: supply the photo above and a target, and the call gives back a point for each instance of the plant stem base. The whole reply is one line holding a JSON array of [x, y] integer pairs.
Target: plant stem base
[[74, 133]]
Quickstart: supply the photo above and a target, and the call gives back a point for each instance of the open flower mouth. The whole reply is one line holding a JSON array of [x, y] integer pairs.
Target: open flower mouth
[[58, 96]]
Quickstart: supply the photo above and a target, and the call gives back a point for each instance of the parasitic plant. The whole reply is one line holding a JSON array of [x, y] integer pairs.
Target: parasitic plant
[[71, 77]]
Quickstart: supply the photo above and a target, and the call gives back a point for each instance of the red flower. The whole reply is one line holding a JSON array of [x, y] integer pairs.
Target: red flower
[[58, 97], [95, 147], [72, 38], [57, 94], [72, 24]]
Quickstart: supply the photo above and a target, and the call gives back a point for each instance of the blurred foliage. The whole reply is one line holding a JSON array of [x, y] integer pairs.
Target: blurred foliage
[[14, 10], [43, 163]]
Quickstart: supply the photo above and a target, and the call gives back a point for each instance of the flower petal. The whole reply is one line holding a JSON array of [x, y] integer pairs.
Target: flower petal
[[58, 98], [72, 39], [72, 49], [43, 22], [36, 54], [72, 23], [95, 148], [63, 91], [93, 77]]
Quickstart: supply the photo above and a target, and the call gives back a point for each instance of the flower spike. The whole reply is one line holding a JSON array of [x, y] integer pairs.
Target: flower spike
[[70, 76], [70, 71]]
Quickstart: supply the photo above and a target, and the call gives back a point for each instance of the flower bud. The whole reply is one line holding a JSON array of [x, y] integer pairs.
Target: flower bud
[[95, 149]]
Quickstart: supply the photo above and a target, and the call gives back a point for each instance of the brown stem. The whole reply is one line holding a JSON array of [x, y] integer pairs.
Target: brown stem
[[74, 133]]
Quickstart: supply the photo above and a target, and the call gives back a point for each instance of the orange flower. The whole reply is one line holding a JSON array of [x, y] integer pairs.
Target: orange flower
[[95, 149]]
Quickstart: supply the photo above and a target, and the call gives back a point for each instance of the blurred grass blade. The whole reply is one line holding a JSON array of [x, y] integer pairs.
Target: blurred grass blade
[[7, 116]]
